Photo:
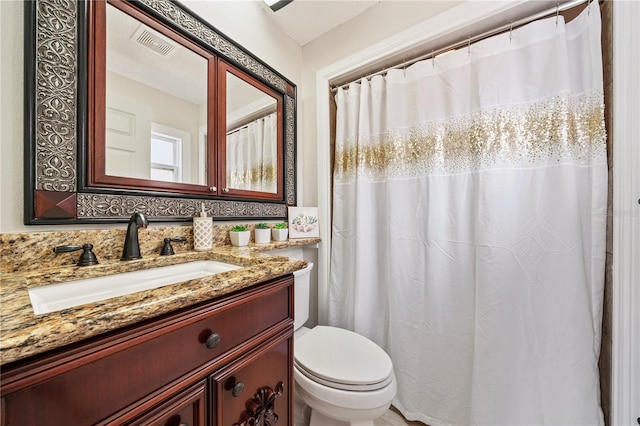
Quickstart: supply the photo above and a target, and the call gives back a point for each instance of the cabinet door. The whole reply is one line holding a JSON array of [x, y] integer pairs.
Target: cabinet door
[[187, 408], [257, 388]]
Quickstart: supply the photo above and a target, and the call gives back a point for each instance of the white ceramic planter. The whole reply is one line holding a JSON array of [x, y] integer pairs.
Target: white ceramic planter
[[239, 239], [262, 236], [279, 234]]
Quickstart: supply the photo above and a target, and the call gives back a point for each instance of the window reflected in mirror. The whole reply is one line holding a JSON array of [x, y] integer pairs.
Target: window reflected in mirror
[[252, 138], [156, 104], [166, 158]]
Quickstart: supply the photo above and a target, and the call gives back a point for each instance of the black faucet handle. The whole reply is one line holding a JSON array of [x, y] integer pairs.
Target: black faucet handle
[[87, 258], [66, 249], [167, 248]]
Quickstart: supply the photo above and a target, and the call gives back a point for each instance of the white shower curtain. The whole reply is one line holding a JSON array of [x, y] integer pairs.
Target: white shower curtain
[[468, 235], [252, 155]]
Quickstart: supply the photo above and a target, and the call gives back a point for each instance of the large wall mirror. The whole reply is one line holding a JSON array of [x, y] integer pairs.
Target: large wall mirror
[[142, 106]]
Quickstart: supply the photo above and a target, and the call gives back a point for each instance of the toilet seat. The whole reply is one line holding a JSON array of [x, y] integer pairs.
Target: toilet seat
[[342, 359]]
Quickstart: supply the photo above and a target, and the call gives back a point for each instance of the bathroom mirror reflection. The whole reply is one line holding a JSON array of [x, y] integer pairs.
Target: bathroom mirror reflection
[[156, 104], [151, 102], [252, 137]]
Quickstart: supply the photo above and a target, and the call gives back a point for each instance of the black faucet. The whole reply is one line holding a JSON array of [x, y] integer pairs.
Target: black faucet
[[131, 248]]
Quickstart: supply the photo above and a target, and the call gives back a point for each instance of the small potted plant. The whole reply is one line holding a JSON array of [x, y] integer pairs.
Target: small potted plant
[[239, 235], [262, 233], [280, 232]]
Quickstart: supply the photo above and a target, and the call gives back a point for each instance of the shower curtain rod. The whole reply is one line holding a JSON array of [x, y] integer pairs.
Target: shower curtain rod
[[242, 126], [509, 27], [237, 129]]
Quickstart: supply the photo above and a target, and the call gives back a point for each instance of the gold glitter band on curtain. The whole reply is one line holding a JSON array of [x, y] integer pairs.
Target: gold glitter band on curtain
[[261, 177], [556, 129]]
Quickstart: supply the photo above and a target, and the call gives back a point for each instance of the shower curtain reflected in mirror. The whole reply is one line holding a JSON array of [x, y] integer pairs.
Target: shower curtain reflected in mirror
[[252, 155], [468, 233]]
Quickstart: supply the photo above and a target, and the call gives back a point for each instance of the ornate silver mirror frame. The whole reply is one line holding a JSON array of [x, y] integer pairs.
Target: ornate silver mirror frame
[[55, 123]]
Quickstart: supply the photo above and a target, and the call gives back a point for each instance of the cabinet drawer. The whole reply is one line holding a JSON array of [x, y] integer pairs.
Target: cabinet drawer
[[126, 373], [262, 378], [186, 408]]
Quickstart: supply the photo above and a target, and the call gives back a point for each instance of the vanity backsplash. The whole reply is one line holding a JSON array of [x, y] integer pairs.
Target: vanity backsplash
[[29, 251]]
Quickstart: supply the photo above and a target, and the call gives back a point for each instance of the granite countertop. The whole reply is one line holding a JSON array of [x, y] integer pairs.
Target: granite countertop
[[24, 333]]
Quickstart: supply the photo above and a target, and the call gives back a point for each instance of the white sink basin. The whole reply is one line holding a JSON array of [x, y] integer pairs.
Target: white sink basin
[[54, 297]]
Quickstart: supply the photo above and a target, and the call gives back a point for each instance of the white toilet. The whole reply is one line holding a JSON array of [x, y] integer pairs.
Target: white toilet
[[344, 378]]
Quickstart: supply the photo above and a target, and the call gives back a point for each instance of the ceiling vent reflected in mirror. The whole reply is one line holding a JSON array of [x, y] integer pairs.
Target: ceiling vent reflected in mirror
[[155, 42]]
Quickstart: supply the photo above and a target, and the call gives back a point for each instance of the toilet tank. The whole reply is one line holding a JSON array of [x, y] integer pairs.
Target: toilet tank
[[301, 285]]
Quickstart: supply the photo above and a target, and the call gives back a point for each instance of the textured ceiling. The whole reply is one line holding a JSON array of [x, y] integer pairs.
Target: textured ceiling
[[304, 20]]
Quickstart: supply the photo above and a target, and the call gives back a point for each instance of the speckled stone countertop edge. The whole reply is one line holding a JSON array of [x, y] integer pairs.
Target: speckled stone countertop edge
[[24, 334]]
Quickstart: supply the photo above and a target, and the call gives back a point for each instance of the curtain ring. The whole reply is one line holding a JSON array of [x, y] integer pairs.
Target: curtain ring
[[557, 12], [469, 46], [589, 8], [433, 60], [510, 31]]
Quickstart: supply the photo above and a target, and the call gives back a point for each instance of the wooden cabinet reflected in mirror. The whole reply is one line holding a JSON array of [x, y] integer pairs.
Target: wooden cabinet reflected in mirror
[[142, 105]]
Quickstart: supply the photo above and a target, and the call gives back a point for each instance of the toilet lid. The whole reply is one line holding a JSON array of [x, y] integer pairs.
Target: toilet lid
[[342, 359]]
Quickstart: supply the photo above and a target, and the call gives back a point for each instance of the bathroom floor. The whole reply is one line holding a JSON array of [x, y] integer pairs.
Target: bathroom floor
[[394, 418], [391, 418]]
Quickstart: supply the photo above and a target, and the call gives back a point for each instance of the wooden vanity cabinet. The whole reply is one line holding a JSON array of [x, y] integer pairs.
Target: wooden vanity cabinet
[[183, 368]]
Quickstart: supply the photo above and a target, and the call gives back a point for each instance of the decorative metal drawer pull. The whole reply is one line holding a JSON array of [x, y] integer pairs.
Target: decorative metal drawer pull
[[259, 409]]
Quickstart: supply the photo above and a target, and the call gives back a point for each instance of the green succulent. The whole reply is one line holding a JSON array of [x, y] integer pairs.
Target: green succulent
[[239, 228], [262, 225], [280, 226]]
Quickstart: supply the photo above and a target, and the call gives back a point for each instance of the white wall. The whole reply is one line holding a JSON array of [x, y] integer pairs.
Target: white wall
[[11, 115], [239, 20]]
